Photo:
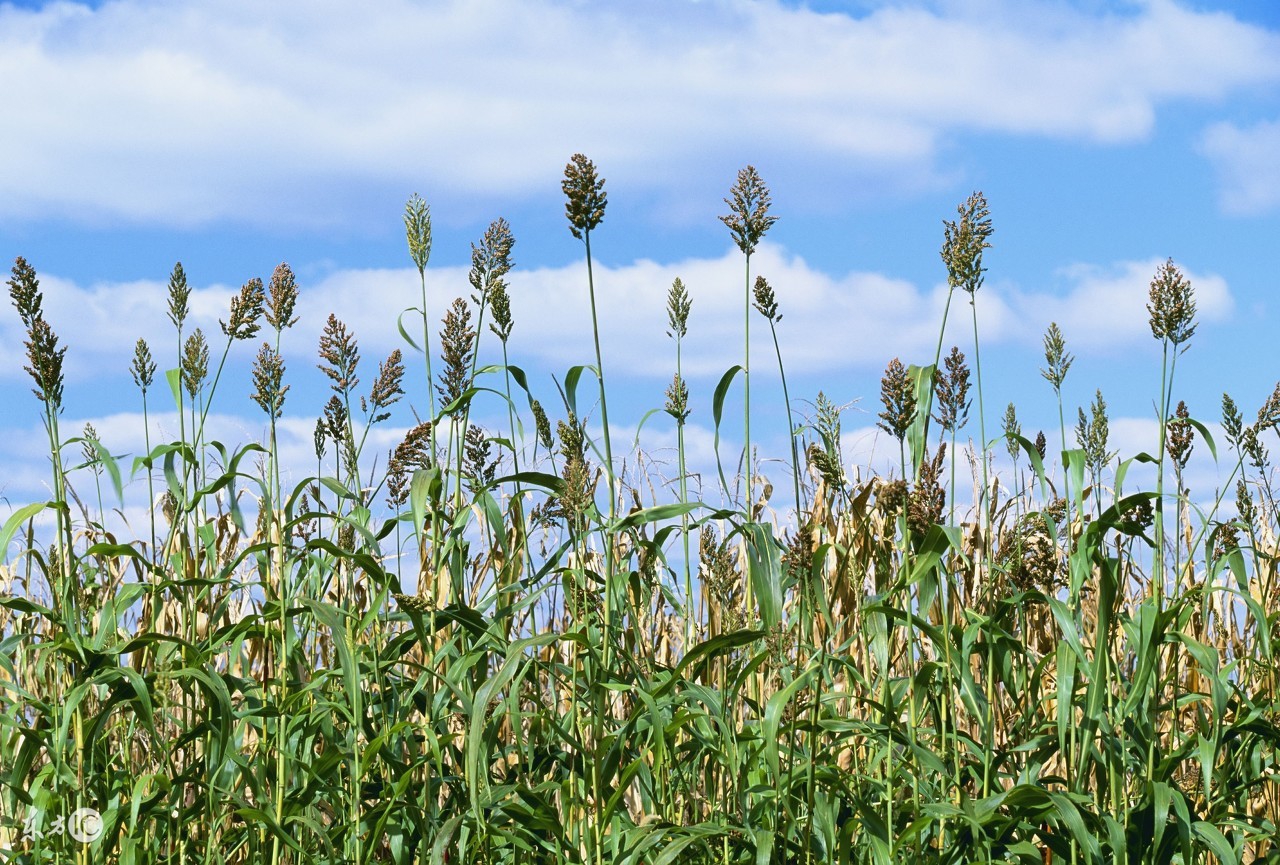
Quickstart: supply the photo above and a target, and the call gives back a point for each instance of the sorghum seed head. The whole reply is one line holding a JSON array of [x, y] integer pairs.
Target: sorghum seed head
[[1092, 435], [678, 307], [246, 308], [1244, 503], [386, 387], [1012, 429], [1056, 356], [45, 360], [1269, 413], [678, 399], [491, 259], [143, 367], [1042, 444], [765, 300], [899, 400], [476, 462], [24, 290], [542, 425], [586, 196], [268, 377], [1232, 420], [89, 449], [179, 294], [1172, 305], [457, 341], [951, 391], [1181, 436], [417, 230], [341, 354], [283, 296], [318, 439], [964, 241], [748, 217], [500, 308], [195, 362]]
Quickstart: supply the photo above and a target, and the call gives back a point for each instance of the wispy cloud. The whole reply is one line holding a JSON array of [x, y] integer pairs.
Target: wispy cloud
[[303, 113]]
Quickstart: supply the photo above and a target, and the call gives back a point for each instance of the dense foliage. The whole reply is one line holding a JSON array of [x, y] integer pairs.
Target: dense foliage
[[507, 646]]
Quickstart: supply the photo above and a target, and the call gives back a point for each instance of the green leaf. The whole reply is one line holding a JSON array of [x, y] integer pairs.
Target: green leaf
[[16, 519]]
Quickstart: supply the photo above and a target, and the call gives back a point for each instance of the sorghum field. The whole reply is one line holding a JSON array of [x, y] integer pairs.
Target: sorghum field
[[519, 645]]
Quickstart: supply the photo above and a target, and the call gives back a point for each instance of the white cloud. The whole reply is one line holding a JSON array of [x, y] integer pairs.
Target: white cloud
[[1106, 307], [182, 113], [831, 322], [1244, 158]]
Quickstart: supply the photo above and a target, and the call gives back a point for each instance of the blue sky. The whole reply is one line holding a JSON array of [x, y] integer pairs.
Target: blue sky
[[234, 135]]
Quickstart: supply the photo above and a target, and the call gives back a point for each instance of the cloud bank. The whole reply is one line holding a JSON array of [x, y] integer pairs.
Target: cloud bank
[[293, 113]]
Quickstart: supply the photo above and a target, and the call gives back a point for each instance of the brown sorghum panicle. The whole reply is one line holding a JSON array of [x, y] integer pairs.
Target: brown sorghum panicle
[[246, 308], [964, 241], [748, 217], [586, 196], [341, 355], [282, 298], [268, 375], [1172, 305], [898, 399]]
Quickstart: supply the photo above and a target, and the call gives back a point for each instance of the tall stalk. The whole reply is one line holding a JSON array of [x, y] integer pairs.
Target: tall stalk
[[584, 207], [748, 220], [678, 308]]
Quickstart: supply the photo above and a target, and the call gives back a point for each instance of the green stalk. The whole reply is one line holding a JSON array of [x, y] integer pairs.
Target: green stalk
[[748, 502], [989, 732], [608, 458]]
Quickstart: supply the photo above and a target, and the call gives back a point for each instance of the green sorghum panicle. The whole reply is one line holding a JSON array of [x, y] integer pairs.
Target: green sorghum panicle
[[417, 230], [143, 367], [542, 425], [90, 450], [1057, 359], [1232, 420], [1012, 428], [179, 296], [1092, 434], [678, 399], [678, 307], [318, 438]]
